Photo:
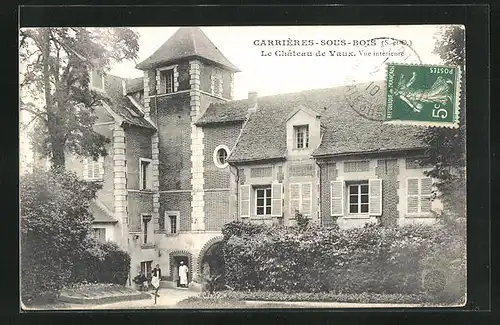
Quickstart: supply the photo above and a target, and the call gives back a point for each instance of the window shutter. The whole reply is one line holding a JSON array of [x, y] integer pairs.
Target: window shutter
[[412, 195], [375, 191], [306, 199], [337, 198], [85, 168], [277, 200], [101, 167], [425, 194], [163, 82], [294, 198], [244, 200]]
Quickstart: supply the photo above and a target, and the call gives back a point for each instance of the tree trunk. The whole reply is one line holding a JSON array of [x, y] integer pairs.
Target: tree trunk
[[56, 139]]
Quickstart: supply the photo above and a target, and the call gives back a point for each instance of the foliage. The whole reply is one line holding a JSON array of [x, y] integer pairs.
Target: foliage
[[103, 262], [55, 76], [301, 220], [446, 151], [373, 259], [55, 223]]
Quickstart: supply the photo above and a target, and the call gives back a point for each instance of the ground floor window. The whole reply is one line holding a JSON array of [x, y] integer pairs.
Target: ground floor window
[[146, 268], [358, 198], [100, 233], [263, 201]]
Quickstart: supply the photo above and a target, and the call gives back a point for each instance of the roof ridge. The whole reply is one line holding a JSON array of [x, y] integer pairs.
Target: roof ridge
[[194, 39]]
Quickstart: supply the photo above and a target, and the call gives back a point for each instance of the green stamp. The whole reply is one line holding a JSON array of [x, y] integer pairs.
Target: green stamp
[[425, 95]]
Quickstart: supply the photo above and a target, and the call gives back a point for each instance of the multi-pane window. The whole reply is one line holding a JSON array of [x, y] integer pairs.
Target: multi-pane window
[[222, 156], [358, 198], [419, 195], [301, 136], [173, 224], [263, 201], [93, 169], [167, 78], [100, 233], [145, 225], [145, 175]]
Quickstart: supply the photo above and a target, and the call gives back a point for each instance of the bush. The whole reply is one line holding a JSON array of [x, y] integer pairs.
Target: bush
[[373, 259], [55, 222], [103, 262]]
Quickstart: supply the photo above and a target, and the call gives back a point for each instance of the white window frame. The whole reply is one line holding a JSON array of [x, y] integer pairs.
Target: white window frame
[[265, 188], [301, 198], [348, 201], [149, 233], [216, 156], [163, 77], [167, 223], [89, 165], [91, 86], [306, 140], [95, 229], [149, 181], [419, 195]]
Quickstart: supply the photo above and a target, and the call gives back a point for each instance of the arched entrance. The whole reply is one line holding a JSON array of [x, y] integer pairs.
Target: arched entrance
[[211, 263]]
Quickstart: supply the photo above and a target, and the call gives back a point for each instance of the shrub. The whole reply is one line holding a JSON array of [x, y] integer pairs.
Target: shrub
[[373, 259], [55, 221], [102, 262]]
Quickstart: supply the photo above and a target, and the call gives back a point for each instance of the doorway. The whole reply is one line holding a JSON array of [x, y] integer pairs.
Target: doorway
[[174, 267]]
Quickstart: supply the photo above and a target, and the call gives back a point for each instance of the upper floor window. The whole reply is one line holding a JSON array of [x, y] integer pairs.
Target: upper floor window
[[167, 81], [145, 174], [100, 234], [217, 82], [220, 156], [170, 222], [93, 169], [145, 229], [301, 136], [96, 80]]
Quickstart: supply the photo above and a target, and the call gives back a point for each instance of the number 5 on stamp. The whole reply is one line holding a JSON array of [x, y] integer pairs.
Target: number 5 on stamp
[[424, 95]]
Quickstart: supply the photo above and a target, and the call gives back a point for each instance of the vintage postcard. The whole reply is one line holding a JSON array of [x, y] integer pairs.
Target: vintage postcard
[[242, 167]]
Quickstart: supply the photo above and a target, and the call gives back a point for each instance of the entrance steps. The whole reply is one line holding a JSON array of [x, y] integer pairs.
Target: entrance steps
[[193, 286]]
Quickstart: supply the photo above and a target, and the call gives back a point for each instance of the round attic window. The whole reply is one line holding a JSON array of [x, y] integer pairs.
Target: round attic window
[[220, 156]]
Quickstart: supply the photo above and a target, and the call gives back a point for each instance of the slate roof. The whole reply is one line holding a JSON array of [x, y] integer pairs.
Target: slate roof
[[100, 214], [134, 85], [236, 111], [345, 130], [122, 106], [184, 43]]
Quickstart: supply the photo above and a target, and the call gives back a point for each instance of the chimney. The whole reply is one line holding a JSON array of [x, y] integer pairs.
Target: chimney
[[252, 100], [124, 87]]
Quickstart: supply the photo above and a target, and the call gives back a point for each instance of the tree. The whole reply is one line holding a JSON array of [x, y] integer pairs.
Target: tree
[[56, 64], [446, 146], [55, 229]]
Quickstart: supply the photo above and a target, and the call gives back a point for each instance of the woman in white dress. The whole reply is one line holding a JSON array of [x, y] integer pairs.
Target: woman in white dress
[[183, 275]]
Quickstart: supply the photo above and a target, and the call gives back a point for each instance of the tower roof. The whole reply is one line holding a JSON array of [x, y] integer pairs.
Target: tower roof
[[187, 42]]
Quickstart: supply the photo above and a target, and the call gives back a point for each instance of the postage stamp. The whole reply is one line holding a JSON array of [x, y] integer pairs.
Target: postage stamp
[[423, 95]]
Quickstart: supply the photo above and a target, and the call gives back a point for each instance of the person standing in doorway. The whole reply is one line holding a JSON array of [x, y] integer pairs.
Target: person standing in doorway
[[183, 275], [155, 280]]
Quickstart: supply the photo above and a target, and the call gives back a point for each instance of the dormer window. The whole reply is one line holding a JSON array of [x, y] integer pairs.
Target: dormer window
[[301, 136], [167, 80], [96, 80]]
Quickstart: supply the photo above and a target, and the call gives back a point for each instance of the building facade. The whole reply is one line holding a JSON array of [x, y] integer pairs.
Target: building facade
[[185, 158]]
